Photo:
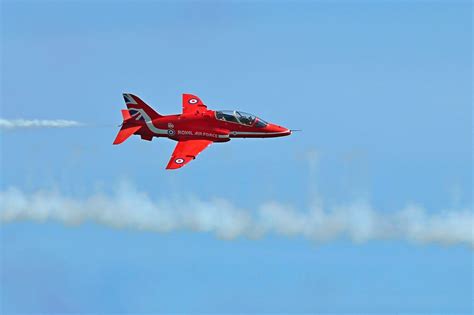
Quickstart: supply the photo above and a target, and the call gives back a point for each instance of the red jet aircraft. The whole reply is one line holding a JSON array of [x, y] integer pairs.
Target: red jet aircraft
[[194, 129]]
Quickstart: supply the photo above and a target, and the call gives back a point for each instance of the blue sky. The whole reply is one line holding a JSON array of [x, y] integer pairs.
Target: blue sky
[[382, 91]]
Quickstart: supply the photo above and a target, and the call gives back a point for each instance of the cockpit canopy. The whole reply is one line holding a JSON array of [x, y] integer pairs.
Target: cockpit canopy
[[240, 118]]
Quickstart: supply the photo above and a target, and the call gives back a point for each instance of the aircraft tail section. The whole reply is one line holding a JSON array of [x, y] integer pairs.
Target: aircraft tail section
[[137, 114], [139, 109], [130, 125], [125, 133]]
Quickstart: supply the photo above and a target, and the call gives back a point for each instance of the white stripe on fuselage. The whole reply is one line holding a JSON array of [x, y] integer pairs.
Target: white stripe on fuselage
[[250, 133], [149, 122]]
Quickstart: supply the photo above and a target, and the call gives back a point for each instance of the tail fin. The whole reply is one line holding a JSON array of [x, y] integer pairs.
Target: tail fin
[[139, 108]]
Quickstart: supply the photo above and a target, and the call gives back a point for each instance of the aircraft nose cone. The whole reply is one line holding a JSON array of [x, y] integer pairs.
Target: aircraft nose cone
[[276, 128]]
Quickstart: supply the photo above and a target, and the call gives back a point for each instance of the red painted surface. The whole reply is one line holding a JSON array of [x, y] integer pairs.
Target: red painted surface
[[194, 129]]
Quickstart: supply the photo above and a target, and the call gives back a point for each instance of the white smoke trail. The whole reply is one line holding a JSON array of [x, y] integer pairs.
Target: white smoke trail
[[128, 208], [37, 123]]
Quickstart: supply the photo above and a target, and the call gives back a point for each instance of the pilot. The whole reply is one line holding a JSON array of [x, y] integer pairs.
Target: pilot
[[245, 120]]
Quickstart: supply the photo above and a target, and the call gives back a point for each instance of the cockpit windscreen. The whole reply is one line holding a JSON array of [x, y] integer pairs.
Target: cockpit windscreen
[[236, 117]]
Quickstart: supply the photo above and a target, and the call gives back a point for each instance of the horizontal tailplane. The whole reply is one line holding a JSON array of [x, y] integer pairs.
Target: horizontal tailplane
[[125, 132]]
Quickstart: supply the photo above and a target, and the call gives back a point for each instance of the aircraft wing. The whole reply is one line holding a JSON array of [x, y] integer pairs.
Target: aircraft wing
[[192, 104], [185, 152]]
